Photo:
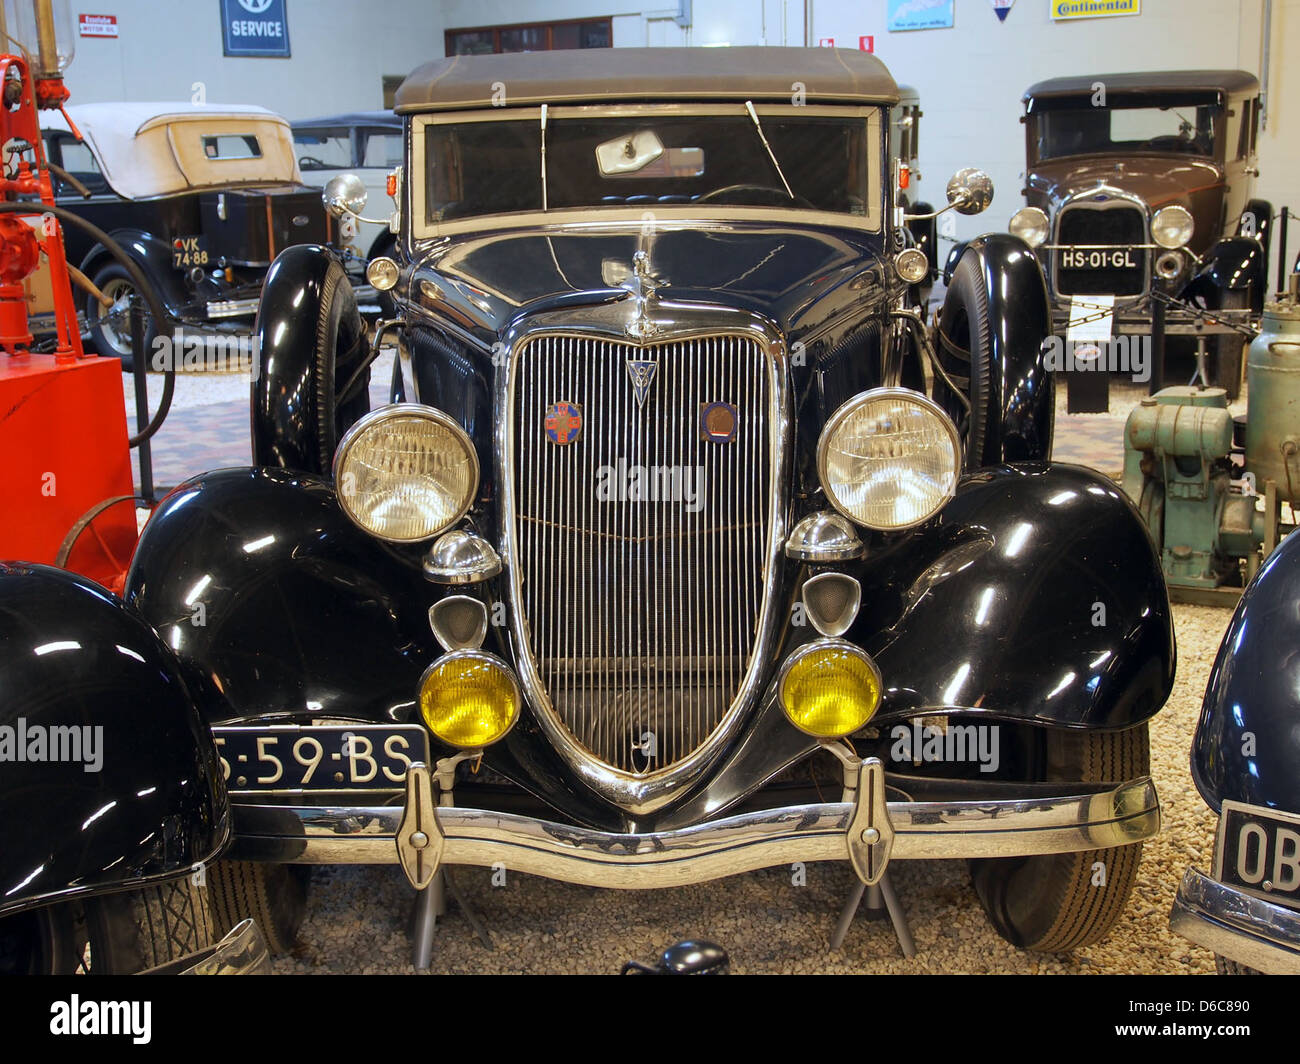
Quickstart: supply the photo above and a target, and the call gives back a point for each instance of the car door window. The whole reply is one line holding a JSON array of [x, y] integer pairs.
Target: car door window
[[381, 148], [79, 161], [323, 149]]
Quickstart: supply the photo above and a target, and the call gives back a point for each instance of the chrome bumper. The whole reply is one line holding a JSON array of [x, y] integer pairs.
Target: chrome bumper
[[232, 308], [1236, 925], [242, 952], [866, 831]]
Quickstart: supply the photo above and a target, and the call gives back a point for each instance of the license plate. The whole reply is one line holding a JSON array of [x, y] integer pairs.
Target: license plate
[[1098, 259], [1258, 851], [294, 758], [189, 251]]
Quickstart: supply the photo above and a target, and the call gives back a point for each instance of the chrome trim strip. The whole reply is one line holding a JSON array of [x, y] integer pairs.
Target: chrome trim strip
[[242, 952], [1010, 827], [1237, 925], [232, 308], [673, 322]]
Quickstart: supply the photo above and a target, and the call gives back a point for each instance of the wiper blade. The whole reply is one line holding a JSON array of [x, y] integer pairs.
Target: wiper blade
[[749, 106]]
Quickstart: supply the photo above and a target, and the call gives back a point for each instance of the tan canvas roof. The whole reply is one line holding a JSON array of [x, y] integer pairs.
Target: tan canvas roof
[[1229, 81], [593, 75]]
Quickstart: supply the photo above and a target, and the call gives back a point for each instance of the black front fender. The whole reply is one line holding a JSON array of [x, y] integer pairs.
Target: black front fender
[[1247, 743], [1235, 264], [1036, 596], [137, 795]]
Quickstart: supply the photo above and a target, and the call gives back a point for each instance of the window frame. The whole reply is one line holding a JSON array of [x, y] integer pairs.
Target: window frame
[[550, 27]]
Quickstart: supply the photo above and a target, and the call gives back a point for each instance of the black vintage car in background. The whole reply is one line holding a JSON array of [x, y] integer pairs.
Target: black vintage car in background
[[678, 520], [1139, 199], [203, 197], [1246, 765]]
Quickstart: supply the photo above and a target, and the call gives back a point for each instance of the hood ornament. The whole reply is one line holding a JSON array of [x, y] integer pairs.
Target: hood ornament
[[643, 288]]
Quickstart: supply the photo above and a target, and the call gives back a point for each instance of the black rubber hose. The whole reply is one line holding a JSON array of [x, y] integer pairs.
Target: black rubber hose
[[143, 286]]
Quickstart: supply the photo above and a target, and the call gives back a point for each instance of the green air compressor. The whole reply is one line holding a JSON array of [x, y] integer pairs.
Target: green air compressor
[[1214, 509]]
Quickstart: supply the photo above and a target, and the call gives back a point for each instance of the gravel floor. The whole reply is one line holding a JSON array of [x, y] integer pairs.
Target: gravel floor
[[356, 920]]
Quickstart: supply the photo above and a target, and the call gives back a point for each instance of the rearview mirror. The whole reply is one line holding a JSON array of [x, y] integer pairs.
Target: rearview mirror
[[970, 191]]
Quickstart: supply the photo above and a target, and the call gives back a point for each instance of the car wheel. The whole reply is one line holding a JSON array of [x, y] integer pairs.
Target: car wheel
[[1227, 967], [139, 929], [40, 942], [1228, 348], [964, 344], [1057, 902], [110, 327], [273, 895]]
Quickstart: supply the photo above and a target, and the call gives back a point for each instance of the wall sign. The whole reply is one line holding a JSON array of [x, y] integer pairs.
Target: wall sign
[[97, 25], [1003, 8], [867, 44], [1070, 9], [255, 28], [920, 14]]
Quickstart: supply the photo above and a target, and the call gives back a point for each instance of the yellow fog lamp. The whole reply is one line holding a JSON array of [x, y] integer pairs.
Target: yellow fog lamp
[[829, 689], [469, 699]]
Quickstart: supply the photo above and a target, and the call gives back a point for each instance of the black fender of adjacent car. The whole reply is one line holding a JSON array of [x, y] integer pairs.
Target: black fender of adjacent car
[[109, 778], [153, 256], [1247, 742]]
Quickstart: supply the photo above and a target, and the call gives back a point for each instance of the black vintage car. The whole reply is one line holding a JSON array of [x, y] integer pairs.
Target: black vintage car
[[1246, 765], [1139, 201], [683, 548], [202, 196]]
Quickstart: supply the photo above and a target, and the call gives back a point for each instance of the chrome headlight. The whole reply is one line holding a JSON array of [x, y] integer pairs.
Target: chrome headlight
[[889, 459], [405, 472], [1172, 226], [1031, 225]]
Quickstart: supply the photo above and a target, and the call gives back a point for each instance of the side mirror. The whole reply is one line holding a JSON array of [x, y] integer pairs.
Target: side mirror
[[970, 191], [344, 194]]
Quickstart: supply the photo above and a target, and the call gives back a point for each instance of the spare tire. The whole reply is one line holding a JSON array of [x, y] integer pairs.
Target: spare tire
[[964, 345], [310, 341]]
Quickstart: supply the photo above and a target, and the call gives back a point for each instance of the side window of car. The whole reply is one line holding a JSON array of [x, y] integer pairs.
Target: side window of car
[[381, 148], [79, 161], [323, 149]]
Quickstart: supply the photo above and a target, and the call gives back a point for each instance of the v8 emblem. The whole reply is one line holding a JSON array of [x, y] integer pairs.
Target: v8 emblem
[[642, 374]]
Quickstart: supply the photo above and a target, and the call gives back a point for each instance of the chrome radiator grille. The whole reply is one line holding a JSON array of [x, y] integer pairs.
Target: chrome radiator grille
[[641, 546]]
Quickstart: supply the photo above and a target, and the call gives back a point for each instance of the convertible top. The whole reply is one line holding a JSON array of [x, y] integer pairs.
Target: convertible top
[[351, 118], [1227, 81], [153, 149], [597, 75]]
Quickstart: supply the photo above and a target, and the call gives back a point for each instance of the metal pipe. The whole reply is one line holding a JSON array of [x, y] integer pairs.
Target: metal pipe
[[1267, 32]]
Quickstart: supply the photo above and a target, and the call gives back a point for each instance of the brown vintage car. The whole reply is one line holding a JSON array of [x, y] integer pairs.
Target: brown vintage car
[[1139, 190]]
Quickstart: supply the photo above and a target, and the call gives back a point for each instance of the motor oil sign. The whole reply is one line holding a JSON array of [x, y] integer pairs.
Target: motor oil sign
[[255, 28]]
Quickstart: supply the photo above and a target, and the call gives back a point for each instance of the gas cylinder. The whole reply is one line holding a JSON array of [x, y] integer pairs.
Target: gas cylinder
[[1273, 382]]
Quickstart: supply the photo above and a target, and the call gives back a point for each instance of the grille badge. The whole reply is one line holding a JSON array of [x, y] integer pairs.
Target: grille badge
[[641, 372], [718, 422], [563, 423]]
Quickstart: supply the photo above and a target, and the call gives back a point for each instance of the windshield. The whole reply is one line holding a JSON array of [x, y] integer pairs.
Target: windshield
[[478, 168], [1178, 127]]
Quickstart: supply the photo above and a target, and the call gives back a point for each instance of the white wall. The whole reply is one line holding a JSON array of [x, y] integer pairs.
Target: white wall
[[341, 51], [971, 77]]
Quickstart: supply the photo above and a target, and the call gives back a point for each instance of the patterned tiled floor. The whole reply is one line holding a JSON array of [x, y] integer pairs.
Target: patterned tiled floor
[[208, 426]]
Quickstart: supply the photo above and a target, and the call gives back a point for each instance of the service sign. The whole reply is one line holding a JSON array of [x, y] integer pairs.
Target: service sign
[[97, 25], [255, 28]]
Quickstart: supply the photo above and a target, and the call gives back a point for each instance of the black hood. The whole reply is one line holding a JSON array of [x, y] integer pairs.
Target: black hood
[[786, 273]]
